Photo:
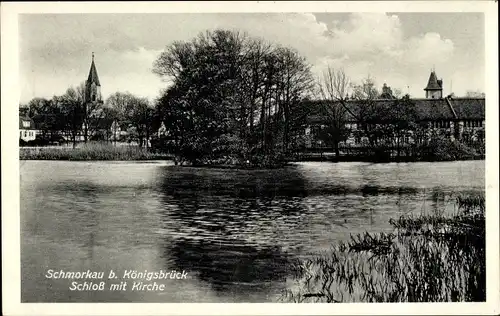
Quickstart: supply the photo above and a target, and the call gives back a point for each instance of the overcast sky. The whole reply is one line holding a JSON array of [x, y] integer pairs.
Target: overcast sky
[[396, 48]]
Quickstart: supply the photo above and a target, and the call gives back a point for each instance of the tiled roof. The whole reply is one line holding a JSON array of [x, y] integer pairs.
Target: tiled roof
[[26, 119], [433, 109], [433, 83], [469, 108], [426, 109]]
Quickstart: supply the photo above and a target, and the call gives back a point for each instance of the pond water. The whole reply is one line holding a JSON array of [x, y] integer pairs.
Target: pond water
[[233, 232]]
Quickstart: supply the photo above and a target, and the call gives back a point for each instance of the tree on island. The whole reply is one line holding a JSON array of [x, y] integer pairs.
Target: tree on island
[[233, 99]]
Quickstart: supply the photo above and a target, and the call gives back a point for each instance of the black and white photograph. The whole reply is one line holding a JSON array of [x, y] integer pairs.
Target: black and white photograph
[[313, 156]]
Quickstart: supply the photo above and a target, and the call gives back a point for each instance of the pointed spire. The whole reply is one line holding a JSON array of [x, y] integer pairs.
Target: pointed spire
[[433, 83], [93, 77]]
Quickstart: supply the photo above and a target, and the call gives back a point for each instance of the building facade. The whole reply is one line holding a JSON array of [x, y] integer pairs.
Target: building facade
[[27, 129], [455, 118]]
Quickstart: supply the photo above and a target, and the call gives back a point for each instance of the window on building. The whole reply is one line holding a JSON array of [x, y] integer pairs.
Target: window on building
[[20, 134], [93, 97], [26, 124], [25, 134]]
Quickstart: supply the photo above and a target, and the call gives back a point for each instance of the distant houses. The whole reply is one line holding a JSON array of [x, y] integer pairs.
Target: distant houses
[[43, 129], [27, 129], [461, 119]]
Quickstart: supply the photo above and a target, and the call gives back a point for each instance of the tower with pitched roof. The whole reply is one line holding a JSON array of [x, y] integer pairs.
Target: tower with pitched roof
[[92, 85], [434, 89]]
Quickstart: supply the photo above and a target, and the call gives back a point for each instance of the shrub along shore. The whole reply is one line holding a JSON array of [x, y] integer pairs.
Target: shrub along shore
[[428, 258], [107, 151], [89, 151]]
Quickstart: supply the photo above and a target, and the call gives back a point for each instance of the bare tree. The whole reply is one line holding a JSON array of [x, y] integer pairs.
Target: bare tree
[[333, 89], [475, 94]]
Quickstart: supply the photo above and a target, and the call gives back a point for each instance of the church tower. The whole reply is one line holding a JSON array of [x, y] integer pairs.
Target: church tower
[[92, 85], [434, 89]]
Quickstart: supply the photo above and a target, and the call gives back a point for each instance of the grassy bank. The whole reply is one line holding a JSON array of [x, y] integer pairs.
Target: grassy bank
[[90, 151], [428, 258]]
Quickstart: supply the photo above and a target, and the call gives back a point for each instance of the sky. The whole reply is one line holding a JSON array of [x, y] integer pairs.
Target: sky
[[398, 49]]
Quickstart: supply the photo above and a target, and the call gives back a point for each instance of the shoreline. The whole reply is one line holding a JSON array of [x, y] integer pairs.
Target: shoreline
[[162, 159], [104, 152]]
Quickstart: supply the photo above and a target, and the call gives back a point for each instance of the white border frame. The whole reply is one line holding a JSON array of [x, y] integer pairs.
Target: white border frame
[[10, 161]]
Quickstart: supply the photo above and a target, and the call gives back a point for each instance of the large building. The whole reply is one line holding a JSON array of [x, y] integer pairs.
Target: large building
[[459, 118]]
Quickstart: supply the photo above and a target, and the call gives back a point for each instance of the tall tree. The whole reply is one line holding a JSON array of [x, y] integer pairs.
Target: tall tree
[[117, 106], [139, 113], [72, 108], [235, 95], [333, 89]]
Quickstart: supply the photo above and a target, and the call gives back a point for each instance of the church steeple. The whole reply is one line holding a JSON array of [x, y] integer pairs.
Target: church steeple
[[92, 85]]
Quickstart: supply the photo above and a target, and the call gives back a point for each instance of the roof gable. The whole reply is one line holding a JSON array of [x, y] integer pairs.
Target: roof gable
[[23, 119], [433, 83]]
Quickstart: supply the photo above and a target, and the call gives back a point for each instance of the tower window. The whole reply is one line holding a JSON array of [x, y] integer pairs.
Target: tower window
[[93, 97]]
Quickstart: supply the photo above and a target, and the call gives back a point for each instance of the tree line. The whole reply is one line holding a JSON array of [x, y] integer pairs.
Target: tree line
[[234, 99], [241, 99], [68, 116]]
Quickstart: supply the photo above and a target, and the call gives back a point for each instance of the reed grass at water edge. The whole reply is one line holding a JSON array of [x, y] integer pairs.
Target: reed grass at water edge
[[90, 151], [427, 258]]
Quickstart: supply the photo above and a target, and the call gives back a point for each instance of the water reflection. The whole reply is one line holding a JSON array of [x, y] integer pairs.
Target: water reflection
[[234, 231], [230, 265], [227, 229]]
